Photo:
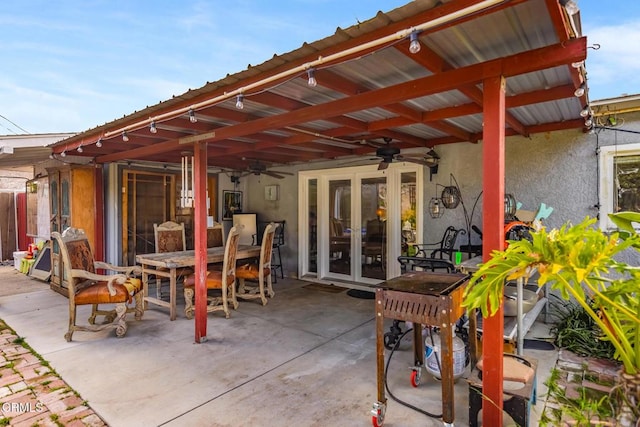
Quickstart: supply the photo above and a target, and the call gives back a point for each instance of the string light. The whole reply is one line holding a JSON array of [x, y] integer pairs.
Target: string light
[[192, 116], [153, 128], [577, 64], [99, 143], [240, 102], [63, 154], [80, 149], [580, 90], [125, 137], [585, 111], [312, 78], [414, 45]]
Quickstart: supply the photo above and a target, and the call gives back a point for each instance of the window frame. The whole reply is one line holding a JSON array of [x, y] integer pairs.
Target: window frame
[[606, 191]]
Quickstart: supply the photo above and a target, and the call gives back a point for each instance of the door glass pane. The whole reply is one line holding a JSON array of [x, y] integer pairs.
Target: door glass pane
[[340, 226], [313, 229], [408, 212], [373, 215]]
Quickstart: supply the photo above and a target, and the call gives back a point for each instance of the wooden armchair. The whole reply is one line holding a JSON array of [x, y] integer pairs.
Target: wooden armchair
[[169, 237], [86, 287], [258, 270], [375, 242], [224, 280]]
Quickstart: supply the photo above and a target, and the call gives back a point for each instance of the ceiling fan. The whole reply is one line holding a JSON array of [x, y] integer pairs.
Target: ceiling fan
[[259, 168], [388, 153]]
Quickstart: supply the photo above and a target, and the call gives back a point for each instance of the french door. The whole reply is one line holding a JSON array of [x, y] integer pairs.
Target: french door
[[353, 221]]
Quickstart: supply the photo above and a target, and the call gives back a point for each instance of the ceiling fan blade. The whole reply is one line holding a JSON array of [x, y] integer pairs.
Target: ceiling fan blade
[[383, 165], [283, 173], [273, 174], [420, 161]]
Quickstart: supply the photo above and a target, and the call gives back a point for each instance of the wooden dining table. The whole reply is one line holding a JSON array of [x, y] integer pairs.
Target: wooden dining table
[[167, 263]]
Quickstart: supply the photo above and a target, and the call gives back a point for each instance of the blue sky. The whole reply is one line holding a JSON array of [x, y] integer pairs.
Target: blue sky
[[68, 66]]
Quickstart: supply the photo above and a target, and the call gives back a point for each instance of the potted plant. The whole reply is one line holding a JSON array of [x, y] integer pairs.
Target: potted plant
[[579, 262]]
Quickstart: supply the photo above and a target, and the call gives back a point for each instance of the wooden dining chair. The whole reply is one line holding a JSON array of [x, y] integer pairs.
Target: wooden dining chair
[[258, 270], [222, 280], [87, 287], [169, 237], [215, 236]]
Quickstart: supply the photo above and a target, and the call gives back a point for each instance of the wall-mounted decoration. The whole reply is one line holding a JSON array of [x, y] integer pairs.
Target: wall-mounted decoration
[[232, 204], [271, 192]]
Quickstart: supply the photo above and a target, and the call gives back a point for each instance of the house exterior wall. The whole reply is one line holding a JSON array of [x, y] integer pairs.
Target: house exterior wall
[[559, 169]]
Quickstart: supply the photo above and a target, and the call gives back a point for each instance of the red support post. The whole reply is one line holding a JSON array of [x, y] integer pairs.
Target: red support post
[[493, 239], [200, 239]]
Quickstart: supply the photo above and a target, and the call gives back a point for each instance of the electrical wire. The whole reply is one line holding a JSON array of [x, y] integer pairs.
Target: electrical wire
[[23, 130], [386, 384]]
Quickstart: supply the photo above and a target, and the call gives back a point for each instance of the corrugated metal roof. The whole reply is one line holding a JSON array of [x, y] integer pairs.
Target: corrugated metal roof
[[373, 91]]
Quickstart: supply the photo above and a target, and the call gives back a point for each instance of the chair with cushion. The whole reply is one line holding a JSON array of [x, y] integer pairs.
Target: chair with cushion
[[517, 401], [258, 270], [86, 287], [169, 237], [444, 249], [221, 280]]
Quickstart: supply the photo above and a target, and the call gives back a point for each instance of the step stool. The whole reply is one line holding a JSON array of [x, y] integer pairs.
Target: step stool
[[516, 402]]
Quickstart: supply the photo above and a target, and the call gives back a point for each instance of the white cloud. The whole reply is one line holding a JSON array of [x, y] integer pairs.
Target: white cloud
[[614, 68]]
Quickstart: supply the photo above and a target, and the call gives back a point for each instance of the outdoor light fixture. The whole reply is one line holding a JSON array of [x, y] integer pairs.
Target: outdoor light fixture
[[80, 149], [577, 64], [580, 90], [192, 116], [125, 137], [240, 102], [99, 143], [585, 111], [63, 154], [435, 209], [588, 122], [450, 197], [312, 78], [414, 45], [153, 128], [571, 6]]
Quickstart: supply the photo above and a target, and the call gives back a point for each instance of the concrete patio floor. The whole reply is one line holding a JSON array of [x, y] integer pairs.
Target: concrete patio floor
[[307, 358]]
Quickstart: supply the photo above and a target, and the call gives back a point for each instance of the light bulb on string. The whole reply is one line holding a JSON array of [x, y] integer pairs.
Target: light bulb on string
[[125, 137], [312, 78], [414, 45], [192, 116], [80, 149], [99, 143], [240, 102], [153, 128]]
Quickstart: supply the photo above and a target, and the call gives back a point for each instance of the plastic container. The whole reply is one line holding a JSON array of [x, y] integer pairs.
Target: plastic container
[[432, 355], [17, 259]]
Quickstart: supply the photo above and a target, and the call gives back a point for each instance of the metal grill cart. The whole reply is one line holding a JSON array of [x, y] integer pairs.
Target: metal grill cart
[[424, 298]]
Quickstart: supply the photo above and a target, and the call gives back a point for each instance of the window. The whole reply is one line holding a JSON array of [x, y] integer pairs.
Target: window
[[619, 181]]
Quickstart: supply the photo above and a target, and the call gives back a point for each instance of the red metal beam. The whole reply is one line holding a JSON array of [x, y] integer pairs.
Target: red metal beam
[[200, 243], [493, 239]]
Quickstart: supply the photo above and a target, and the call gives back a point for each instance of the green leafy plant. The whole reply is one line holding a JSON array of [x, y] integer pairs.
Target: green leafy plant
[[579, 262]]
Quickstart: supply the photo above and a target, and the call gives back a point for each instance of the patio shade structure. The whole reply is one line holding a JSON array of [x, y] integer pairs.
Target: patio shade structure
[[425, 74]]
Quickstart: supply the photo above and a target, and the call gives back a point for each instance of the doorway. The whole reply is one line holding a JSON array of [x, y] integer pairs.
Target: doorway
[[355, 221]]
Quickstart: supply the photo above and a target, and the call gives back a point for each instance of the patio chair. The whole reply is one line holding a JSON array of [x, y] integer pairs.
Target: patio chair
[[258, 270], [86, 287], [169, 237], [375, 243], [222, 280], [444, 249]]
